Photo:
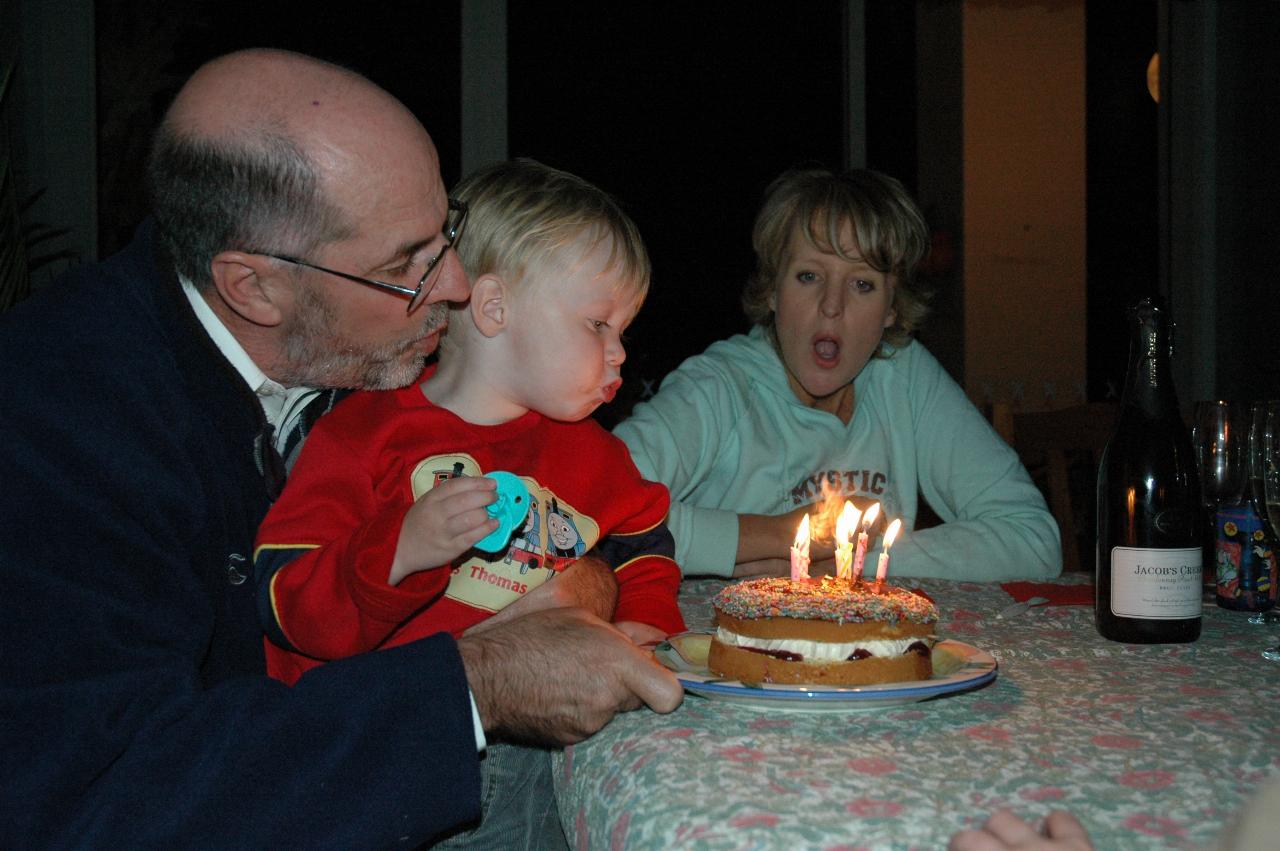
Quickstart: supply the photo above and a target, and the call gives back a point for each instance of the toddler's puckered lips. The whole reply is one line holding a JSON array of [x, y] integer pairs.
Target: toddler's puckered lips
[[826, 350], [611, 389]]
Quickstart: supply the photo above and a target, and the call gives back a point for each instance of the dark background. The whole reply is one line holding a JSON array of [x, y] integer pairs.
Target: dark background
[[685, 111]]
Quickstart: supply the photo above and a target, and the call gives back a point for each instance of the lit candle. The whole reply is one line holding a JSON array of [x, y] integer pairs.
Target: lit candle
[[867, 519], [882, 566], [800, 552], [845, 524]]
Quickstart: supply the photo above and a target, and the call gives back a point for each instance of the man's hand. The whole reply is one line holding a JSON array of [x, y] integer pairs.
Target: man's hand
[[446, 522], [556, 676]]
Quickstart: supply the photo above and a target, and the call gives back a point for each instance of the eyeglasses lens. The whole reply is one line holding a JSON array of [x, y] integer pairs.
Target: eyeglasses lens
[[456, 218]]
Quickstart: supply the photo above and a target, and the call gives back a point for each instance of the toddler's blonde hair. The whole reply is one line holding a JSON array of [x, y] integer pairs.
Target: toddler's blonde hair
[[521, 213]]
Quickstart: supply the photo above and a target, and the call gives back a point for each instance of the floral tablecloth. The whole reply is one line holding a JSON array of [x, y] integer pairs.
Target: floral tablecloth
[[1151, 746]]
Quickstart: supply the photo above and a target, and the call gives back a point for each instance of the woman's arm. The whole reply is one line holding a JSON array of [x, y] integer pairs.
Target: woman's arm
[[764, 538], [996, 523], [678, 438]]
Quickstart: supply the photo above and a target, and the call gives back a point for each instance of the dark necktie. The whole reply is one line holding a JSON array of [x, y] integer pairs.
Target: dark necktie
[[275, 465], [302, 424]]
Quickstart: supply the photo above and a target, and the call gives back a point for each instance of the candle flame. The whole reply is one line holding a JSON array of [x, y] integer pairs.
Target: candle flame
[[870, 517], [824, 513], [892, 532], [846, 522], [802, 534]]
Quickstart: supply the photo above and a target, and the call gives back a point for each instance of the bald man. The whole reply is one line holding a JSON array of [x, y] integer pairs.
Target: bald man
[[300, 242]]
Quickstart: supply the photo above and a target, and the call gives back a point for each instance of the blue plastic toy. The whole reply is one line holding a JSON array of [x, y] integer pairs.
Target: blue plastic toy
[[510, 508]]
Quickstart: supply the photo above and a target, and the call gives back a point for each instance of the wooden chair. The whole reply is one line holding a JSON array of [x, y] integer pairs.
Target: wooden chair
[[1061, 449]]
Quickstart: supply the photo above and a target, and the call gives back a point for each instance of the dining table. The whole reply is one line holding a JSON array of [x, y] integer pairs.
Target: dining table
[[1150, 746]]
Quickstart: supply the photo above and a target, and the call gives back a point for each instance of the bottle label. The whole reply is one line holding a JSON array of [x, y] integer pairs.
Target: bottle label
[[1155, 584]]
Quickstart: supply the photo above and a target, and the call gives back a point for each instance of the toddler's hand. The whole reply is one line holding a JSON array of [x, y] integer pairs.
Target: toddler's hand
[[588, 583], [641, 634], [537, 599], [447, 521]]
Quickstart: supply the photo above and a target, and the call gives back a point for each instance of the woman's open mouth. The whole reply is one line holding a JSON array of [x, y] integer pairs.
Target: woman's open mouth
[[826, 351]]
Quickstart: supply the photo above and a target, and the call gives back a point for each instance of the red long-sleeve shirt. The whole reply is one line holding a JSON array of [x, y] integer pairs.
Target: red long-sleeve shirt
[[325, 549]]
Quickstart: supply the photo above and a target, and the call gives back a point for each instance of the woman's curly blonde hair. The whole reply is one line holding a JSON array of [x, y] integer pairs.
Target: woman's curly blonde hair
[[889, 228]]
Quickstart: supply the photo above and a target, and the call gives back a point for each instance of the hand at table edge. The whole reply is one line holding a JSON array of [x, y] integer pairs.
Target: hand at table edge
[[1004, 831], [556, 676]]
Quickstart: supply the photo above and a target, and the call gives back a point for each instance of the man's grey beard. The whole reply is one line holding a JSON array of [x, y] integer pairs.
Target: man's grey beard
[[316, 355]]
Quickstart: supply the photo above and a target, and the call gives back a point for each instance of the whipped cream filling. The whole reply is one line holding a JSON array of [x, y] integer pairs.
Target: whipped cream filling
[[821, 651]]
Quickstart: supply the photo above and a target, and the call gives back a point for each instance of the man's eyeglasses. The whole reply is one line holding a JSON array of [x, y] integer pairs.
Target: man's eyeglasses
[[456, 218]]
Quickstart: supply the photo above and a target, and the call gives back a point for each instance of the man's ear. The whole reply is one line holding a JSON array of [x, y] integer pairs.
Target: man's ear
[[252, 286], [490, 305]]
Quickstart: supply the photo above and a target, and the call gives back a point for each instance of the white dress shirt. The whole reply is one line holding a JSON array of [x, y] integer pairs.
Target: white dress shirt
[[281, 404]]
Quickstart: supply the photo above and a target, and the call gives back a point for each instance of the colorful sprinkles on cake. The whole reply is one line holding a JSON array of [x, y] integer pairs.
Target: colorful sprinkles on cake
[[824, 598]]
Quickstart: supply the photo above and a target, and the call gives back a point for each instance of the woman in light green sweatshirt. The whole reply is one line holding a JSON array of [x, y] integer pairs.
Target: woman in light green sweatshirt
[[829, 398]]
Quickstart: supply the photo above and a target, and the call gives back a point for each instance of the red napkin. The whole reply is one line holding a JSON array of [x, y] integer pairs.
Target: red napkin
[[1057, 595]]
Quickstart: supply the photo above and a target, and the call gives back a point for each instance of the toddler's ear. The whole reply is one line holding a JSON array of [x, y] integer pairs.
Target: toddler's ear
[[489, 305]]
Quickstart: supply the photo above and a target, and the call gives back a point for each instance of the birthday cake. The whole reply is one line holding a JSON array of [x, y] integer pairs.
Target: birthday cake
[[823, 631]]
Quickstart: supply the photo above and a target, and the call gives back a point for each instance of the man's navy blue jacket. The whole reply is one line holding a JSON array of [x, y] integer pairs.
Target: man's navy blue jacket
[[134, 711]]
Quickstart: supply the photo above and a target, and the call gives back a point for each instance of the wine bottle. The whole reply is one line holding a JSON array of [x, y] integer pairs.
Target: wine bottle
[[1148, 578]]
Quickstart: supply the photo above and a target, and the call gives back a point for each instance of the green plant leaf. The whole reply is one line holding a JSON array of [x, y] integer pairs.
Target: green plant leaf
[[16, 238]]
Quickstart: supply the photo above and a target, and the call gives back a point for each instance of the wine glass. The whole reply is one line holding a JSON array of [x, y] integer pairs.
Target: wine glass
[[1264, 480], [1219, 450], [1263, 468], [1255, 490], [1216, 435]]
